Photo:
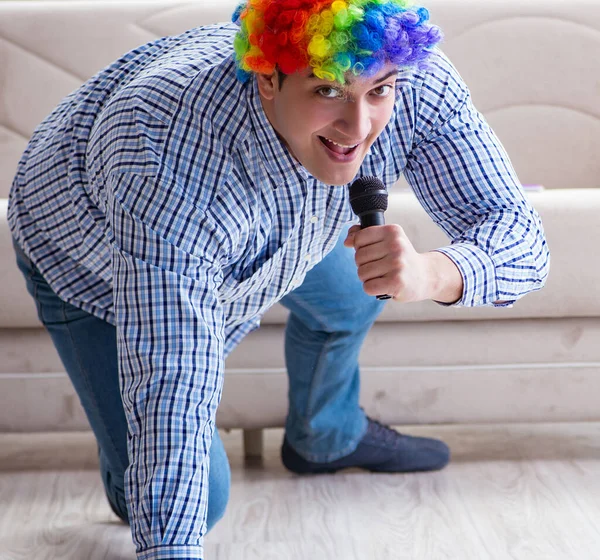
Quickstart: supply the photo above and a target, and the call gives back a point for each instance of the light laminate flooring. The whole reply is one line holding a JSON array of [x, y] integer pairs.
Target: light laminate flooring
[[526, 492]]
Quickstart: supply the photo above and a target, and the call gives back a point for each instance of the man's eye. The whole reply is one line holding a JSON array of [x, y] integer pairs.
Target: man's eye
[[383, 91], [329, 92]]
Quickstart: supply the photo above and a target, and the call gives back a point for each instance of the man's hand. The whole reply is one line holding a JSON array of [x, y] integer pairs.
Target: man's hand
[[389, 264]]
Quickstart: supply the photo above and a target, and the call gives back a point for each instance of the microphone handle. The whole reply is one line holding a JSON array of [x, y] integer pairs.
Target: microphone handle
[[369, 219], [374, 218]]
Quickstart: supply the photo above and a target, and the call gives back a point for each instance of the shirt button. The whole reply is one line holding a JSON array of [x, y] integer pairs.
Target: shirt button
[[477, 299], [314, 219]]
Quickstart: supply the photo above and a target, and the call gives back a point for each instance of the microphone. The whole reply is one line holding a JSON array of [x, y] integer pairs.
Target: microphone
[[369, 200]]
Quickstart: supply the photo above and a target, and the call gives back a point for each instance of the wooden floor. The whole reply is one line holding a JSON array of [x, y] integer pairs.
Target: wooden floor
[[527, 492]]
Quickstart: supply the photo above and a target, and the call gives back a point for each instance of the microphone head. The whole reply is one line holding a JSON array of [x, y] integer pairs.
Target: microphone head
[[368, 194]]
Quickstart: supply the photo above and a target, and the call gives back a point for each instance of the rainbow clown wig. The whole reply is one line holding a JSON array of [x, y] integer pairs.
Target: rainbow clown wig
[[332, 37]]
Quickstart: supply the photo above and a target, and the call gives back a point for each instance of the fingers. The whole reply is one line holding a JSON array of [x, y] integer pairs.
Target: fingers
[[377, 234], [370, 253], [378, 269], [349, 241], [373, 244], [386, 261], [378, 286]]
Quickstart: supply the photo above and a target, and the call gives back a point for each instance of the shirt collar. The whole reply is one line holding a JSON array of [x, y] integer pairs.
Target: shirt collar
[[275, 155]]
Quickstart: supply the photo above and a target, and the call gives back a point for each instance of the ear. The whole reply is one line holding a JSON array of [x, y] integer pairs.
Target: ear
[[267, 84]]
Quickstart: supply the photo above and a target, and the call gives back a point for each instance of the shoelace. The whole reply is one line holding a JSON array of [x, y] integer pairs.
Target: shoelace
[[383, 432]]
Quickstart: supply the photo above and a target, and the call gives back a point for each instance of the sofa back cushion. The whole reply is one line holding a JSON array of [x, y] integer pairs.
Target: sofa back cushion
[[533, 68]]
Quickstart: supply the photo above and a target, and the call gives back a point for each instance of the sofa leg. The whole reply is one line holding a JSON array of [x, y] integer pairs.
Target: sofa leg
[[253, 444]]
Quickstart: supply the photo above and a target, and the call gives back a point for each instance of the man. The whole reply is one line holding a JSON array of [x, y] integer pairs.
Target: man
[[167, 203]]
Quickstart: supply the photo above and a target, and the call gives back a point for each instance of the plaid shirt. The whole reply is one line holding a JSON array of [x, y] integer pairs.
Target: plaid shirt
[[159, 198]]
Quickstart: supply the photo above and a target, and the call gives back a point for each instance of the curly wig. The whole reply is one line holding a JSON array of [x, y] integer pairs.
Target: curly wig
[[332, 37]]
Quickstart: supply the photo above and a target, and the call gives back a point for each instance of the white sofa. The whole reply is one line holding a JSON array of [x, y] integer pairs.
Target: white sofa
[[534, 71]]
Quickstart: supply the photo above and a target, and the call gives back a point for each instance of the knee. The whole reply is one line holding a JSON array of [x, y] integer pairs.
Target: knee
[[336, 313], [357, 316], [114, 488], [219, 482], [218, 492], [331, 298], [366, 309]]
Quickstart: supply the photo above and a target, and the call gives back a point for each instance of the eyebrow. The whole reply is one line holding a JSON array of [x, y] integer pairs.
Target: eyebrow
[[349, 82], [384, 78]]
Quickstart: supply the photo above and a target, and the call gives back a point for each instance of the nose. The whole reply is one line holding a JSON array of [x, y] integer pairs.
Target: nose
[[355, 119]]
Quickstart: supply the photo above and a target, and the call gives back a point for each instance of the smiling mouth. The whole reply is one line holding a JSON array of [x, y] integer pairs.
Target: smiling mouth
[[337, 148]]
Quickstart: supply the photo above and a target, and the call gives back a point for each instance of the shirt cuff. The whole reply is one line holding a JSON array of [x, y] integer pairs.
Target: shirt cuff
[[478, 273], [175, 552]]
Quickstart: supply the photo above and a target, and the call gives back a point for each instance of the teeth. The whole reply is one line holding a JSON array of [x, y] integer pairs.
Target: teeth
[[337, 144]]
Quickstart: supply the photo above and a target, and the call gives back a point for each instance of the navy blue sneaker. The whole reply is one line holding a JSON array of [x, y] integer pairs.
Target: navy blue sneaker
[[380, 450]]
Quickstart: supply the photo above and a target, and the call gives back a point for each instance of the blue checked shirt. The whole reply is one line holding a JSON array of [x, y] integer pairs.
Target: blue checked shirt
[[158, 198]]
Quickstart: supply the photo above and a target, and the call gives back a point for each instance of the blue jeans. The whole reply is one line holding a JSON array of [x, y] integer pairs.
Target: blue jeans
[[87, 347], [330, 317]]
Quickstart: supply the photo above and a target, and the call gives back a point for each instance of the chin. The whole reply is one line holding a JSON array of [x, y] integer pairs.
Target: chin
[[340, 180], [336, 179]]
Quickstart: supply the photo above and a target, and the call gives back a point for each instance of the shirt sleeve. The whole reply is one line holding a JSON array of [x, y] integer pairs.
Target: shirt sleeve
[[463, 177], [170, 340]]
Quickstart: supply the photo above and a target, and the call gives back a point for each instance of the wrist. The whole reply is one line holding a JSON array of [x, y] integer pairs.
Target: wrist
[[444, 280]]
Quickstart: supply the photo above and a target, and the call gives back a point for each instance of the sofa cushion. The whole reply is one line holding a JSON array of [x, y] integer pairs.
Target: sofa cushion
[[572, 227], [540, 99], [570, 218]]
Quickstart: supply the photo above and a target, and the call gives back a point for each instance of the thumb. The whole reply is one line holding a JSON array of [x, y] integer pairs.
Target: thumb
[[349, 241]]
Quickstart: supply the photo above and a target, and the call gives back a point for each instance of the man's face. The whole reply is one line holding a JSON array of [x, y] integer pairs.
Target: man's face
[[329, 127]]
